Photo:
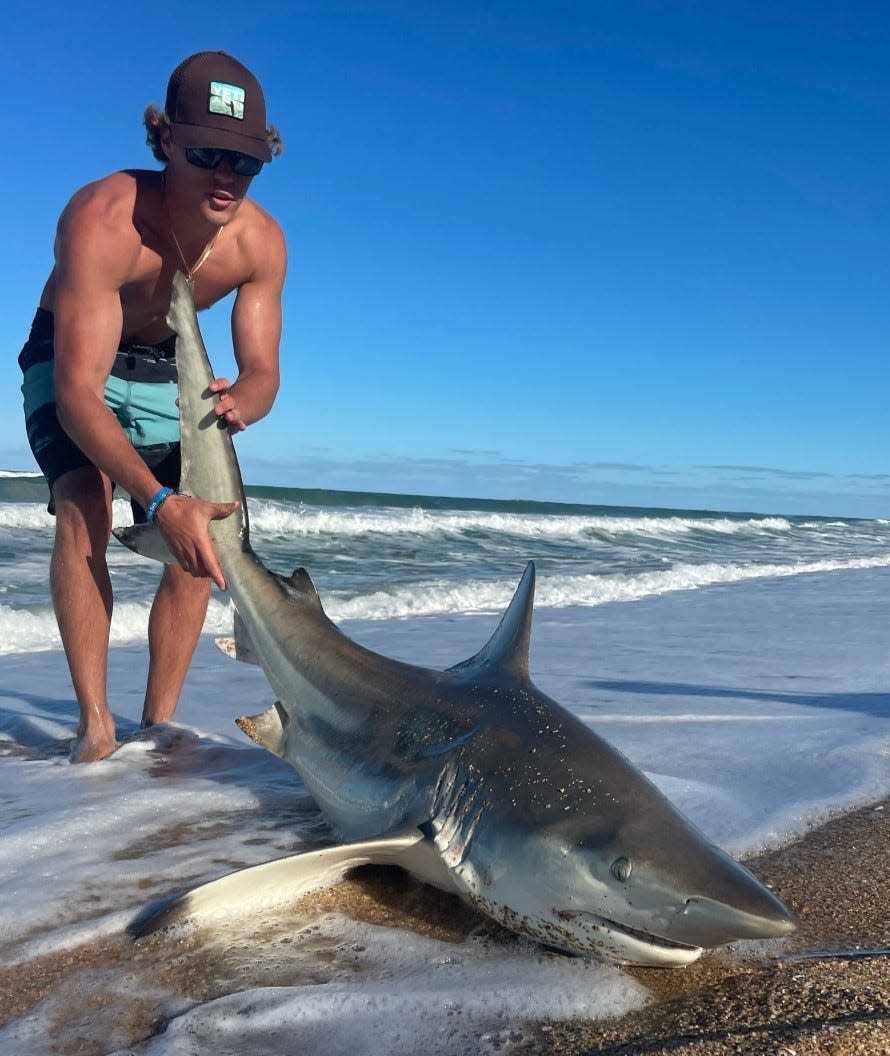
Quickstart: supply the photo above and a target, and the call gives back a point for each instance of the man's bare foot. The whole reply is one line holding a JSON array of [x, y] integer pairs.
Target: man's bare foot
[[90, 747]]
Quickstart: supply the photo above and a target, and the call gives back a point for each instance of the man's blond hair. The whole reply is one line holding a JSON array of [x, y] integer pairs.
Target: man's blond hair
[[156, 122]]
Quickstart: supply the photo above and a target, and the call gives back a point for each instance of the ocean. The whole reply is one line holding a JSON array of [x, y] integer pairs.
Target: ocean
[[386, 557], [741, 660]]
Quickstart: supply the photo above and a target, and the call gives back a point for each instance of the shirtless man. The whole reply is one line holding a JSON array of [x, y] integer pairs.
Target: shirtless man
[[99, 377]]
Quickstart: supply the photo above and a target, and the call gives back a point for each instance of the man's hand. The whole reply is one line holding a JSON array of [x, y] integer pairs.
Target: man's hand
[[183, 523], [228, 413]]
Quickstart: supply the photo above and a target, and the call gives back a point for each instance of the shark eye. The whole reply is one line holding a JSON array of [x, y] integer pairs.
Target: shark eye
[[621, 869]]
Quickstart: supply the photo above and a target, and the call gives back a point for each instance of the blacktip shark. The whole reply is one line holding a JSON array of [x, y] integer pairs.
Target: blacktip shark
[[470, 778]]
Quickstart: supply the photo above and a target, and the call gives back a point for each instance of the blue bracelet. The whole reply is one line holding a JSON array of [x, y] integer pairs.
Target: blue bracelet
[[156, 503]]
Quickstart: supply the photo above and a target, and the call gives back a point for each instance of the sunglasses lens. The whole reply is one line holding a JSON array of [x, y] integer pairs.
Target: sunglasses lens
[[245, 165], [209, 158], [203, 157]]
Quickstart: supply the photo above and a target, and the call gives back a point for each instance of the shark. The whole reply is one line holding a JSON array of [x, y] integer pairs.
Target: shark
[[470, 778]]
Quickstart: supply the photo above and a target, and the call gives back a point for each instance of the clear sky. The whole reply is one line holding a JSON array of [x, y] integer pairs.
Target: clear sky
[[626, 253]]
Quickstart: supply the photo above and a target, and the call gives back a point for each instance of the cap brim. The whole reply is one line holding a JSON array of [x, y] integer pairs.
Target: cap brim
[[202, 136]]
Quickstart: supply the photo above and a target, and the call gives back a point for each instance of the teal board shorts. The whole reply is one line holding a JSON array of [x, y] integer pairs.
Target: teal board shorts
[[141, 391]]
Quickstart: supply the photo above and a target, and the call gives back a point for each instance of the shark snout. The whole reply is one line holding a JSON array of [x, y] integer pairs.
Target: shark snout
[[705, 922]]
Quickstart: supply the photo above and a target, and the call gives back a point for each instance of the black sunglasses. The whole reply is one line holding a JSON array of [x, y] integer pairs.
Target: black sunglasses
[[210, 158]]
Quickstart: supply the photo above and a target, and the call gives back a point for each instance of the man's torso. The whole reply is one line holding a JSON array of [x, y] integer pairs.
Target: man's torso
[[136, 201]]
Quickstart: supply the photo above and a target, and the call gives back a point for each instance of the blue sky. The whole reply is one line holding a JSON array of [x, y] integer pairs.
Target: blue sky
[[629, 253]]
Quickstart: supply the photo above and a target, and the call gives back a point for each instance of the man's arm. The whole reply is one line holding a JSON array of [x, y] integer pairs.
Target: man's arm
[[256, 334], [97, 251]]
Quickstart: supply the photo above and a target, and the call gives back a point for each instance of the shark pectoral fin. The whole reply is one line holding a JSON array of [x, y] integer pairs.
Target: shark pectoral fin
[[422, 860], [145, 540], [287, 879], [267, 729], [239, 646], [507, 649]]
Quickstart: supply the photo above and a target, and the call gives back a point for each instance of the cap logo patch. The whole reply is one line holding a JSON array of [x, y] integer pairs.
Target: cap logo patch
[[226, 99]]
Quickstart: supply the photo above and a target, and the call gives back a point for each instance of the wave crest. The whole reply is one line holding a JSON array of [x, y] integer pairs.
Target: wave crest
[[270, 518], [565, 591]]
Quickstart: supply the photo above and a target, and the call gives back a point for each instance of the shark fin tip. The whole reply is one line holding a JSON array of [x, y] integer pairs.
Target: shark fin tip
[[507, 649]]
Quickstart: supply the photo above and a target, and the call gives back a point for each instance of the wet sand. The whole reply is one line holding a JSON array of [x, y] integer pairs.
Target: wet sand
[[754, 999]]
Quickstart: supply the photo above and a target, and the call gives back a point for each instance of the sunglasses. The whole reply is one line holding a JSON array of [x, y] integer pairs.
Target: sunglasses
[[210, 158]]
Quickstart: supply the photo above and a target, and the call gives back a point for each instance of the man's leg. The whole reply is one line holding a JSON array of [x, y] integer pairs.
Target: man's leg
[[175, 624], [82, 598]]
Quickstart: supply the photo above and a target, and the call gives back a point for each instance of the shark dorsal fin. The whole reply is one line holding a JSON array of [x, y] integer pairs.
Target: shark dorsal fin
[[300, 587], [507, 649]]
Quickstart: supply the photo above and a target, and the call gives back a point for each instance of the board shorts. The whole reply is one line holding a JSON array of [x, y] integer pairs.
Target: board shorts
[[141, 391]]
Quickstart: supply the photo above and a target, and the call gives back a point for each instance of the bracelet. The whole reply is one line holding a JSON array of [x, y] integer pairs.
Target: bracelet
[[156, 503]]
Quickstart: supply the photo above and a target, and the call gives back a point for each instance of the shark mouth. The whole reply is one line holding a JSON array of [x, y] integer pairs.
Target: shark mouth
[[647, 937], [560, 929], [597, 923]]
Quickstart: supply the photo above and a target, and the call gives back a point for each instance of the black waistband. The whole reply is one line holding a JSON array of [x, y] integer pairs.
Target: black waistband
[[140, 363], [155, 361], [42, 327], [165, 349]]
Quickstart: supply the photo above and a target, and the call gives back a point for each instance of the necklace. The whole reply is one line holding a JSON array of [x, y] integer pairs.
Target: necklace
[[191, 272]]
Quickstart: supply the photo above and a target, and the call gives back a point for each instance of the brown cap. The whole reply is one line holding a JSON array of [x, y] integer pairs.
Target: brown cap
[[214, 101]]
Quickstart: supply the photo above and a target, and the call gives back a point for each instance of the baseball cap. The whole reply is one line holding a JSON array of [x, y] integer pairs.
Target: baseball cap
[[215, 101]]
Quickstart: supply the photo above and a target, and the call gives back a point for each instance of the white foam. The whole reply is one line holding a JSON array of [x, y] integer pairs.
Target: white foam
[[391, 993], [29, 515], [35, 629], [439, 597], [34, 516]]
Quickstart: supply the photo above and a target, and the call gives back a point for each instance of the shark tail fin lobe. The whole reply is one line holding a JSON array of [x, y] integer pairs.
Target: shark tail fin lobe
[[145, 540], [239, 646], [267, 729], [507, 649]]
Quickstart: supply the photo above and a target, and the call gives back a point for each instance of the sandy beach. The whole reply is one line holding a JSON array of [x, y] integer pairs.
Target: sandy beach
[[790, 999]]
